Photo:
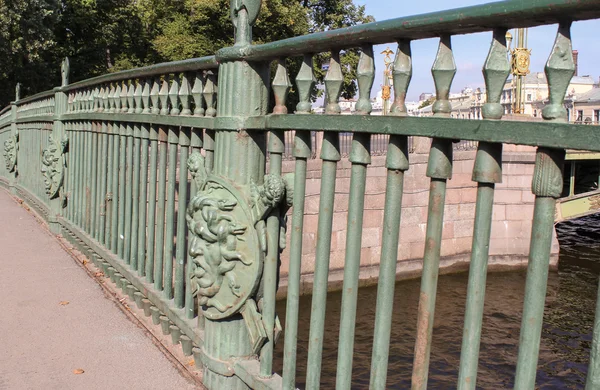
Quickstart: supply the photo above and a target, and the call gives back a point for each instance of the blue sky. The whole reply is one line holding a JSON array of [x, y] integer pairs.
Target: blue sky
[[471, 50]]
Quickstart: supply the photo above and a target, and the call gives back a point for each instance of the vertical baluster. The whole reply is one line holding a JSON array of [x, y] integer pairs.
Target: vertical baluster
[[94, 179], [104, 154], [360, 157], [110, 98], [105, 105], [190, 307], [77, 206], [174, 95], [210, 93], [122, 185], [124, 96], [160, 210], [487, 172], [396, 163], [182, 201], [209, 149], [100, 99], [152, 188], [128, 194], [135, 217], [114, 227], [185, 93], [547, 187], [305, 82], [108, 199], [143, 200], [88, 178], [154, 96], [138, 95], [145, 97], [197, 94], [173, 140], [76, 149], [276, 147], [131, 97], [97, 198], [117, 98], [330, 154], [68, 211], [90, 100], [163, 96], [439, 169]]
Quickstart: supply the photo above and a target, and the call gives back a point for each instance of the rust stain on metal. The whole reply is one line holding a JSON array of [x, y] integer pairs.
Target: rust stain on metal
[[421, 342]]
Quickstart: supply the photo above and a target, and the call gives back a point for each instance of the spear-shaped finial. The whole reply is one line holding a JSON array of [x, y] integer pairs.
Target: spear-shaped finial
[[243, 15], [64, 71]]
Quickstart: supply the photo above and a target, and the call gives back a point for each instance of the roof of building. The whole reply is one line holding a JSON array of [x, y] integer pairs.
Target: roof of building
[[540, 78], [593, 95]]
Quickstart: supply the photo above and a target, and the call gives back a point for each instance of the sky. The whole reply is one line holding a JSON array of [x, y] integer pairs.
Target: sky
[[471, 50]]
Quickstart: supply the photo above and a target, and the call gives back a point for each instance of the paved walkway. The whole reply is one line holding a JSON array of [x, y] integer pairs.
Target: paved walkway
[[43, 342]]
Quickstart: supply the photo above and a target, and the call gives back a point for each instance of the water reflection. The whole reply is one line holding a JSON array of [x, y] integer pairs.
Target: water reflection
[[566, 338]]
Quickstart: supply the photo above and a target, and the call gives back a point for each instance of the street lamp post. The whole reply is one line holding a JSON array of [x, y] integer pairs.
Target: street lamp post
[[386, 88]]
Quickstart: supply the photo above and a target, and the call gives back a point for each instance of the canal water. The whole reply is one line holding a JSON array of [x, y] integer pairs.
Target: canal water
[[566, 337]]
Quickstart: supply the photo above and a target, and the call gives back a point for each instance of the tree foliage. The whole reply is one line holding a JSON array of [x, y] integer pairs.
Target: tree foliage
[[101, 36]]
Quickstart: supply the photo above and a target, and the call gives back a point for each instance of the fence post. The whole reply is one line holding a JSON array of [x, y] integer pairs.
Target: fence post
[[54, 165], [227, 219]]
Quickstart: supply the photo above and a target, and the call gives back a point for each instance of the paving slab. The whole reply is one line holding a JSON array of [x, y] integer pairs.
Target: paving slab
[[55, 320]]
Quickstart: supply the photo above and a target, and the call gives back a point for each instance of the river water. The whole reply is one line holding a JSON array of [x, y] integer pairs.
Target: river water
[[566, 336]]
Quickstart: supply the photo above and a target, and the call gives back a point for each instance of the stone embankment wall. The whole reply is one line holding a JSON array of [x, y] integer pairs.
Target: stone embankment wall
[[511, 225]]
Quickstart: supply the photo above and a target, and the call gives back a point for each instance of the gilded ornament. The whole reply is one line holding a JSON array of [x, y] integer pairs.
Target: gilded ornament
[[386, 92], [521, 61]]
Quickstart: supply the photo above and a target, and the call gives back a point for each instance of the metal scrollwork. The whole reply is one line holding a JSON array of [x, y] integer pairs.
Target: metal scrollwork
[[11, 148], [228, 237], [53, 166]]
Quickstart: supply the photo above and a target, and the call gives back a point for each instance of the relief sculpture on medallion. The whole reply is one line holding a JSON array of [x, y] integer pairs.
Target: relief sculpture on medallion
[[53, 164], [11, 147], [214, 244], [228, 236]]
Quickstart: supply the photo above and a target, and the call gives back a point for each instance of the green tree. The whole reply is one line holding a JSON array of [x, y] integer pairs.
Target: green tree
[[26, 37], [101, 36], [201, 27]]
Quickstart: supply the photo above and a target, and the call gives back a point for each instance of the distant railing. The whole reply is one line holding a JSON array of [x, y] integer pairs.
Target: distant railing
[[158, 175]]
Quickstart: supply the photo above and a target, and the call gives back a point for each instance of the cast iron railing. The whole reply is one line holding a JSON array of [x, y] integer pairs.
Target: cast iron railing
[[164, 187]]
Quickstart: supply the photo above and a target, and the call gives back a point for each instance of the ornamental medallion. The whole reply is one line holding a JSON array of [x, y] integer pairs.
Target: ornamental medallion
[[228, 237], [11, 148], [224, 248], [53, 166]]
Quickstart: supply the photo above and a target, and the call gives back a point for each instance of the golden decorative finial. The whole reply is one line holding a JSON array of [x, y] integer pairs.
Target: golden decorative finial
[[386, 89], [387, 60]]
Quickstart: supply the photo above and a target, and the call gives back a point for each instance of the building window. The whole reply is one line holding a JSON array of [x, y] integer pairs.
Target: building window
[[597, 116], [528, 97], [579, 116]]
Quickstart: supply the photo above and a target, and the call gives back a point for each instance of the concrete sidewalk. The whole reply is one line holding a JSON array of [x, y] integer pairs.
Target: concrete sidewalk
[[42, 342]]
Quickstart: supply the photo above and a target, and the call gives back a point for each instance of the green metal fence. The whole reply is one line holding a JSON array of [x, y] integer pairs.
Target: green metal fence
[[158, 175]]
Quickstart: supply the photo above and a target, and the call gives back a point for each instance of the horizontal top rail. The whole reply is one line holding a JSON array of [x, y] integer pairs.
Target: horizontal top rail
[[37, 96], [480, 18], [4, 110], [192, 64]]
